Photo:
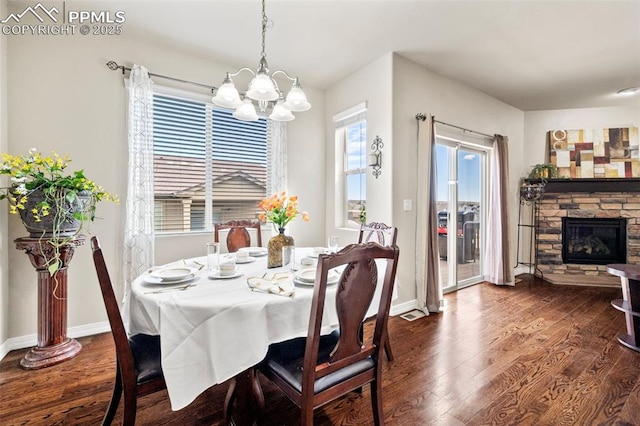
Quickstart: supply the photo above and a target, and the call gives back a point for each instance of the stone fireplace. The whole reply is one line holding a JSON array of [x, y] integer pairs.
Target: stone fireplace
[[617, 200]]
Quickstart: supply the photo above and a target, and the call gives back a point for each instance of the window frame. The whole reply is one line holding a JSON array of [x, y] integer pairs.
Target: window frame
[[354, 115]]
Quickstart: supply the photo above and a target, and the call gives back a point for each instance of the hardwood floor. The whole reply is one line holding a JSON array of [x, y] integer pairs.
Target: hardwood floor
[[536, 354]]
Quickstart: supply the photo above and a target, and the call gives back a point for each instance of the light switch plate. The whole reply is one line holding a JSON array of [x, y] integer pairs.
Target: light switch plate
[[407, 205]]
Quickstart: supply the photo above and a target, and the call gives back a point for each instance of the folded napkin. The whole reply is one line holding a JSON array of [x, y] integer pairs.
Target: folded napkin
[[192, 263], [280, 284]]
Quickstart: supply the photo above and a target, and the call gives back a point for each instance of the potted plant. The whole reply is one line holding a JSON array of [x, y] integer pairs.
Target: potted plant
[[363, 215], [544, 171], [53, 204]]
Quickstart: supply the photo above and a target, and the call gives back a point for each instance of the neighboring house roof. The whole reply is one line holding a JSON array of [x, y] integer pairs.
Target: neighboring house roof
[[184, 177]]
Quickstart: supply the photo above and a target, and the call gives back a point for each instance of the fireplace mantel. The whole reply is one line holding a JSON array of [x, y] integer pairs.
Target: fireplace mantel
[[589, 185]]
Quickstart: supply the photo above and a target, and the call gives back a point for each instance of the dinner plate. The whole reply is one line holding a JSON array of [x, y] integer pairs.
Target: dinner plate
[[246, 260], [308, 261], [173, 273], [308, 277], [216, 275], [255, 251], [155, 280]]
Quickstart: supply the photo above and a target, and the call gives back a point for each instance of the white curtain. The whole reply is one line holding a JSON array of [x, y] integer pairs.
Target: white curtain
[[277, 179], [277, 157], [139, 235], [429, 290], [498, 264]]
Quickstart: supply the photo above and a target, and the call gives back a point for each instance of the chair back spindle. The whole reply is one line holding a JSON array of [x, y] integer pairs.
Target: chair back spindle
[[385, 235]]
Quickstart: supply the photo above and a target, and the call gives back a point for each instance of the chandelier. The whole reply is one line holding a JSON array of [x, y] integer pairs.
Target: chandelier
[[263, 89]]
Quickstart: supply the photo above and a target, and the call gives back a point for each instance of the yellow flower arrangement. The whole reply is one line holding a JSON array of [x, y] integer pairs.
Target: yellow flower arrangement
[[280, 209], [34, 171], [42, 191]]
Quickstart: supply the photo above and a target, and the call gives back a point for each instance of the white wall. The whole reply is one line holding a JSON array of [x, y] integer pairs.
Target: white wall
[[417, 90], [538, 123], [4, 239], [371, 84], [307, 170], [62, 97]]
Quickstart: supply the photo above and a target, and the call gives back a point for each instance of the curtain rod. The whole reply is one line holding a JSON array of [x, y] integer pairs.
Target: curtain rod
[[464, 130], [112, 65], [420, 116]]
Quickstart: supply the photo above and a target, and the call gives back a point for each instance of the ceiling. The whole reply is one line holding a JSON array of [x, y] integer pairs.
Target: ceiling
[[533, 55]]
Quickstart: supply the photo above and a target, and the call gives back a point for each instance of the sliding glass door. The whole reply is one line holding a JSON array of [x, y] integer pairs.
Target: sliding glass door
[[461, 183]]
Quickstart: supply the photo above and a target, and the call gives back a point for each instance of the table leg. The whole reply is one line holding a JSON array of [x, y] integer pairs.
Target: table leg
[[631, 298], [246, 394], [629, 304]]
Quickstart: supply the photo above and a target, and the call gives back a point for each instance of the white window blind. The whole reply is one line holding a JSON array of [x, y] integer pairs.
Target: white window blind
[[208, 166]]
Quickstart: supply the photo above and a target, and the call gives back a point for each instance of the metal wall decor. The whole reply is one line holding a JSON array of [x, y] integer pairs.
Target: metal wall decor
[[375, 158], [530, 193]]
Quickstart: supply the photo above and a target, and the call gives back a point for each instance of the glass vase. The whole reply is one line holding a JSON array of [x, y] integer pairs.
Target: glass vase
[[274, 247]]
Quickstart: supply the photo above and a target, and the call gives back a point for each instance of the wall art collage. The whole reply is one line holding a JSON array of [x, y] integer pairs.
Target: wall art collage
[[595, 153]]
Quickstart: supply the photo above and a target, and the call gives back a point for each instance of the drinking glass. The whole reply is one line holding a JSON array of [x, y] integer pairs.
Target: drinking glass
[[333, 244], [289, 258], [213, 256]]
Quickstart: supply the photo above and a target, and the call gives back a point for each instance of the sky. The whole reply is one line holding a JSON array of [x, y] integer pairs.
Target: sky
[[468, 174]]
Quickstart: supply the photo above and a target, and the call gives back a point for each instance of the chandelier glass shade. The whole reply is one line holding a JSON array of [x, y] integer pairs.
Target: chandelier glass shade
[[227, 96], [246, 111], [263, 89]]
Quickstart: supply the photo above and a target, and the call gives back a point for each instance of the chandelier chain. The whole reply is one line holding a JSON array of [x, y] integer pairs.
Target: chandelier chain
[[265, 21], [262, 89]]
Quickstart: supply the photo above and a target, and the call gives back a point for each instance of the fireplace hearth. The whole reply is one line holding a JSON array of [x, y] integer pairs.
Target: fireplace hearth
[[594, 241]]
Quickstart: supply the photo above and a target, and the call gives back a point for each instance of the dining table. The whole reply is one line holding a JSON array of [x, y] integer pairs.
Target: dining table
[[214, 328]]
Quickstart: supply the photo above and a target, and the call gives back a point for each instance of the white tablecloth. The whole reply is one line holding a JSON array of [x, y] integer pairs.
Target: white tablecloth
[[219, 328]]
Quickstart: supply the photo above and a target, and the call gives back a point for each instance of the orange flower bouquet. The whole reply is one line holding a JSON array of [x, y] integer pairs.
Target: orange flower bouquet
[[280, 209]]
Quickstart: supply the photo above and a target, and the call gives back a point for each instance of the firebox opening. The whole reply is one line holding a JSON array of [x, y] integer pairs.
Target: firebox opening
[[594, 241]]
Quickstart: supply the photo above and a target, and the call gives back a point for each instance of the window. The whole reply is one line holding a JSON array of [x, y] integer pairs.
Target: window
[[208, 166], [351, 142], [355, 176]]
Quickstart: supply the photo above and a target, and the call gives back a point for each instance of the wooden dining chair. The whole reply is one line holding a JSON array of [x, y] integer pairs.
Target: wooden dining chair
[[384, 235], [315, 370], [238, 235], [138, 369]]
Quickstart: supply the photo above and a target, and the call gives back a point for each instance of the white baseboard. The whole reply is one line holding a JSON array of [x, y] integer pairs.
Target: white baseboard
[[4, 349], [32, 339], [403, 307], [521, 270]]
